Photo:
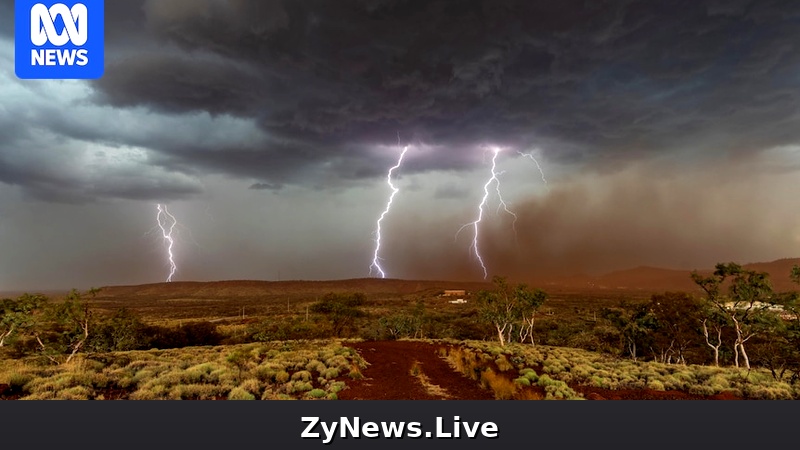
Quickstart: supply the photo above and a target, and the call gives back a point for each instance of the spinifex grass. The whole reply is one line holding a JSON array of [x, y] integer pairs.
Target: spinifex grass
[[561, 366], [239, 372]]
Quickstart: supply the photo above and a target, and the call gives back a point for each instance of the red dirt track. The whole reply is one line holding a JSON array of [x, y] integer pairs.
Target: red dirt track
[[389, 375]]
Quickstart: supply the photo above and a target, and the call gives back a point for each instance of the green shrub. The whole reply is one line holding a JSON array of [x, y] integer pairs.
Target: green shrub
[[17, 381], [299, 386], [502, 364], [302, 375], [74, 393], [282, 376], [316, 393], [336, 386], [522, 381], [331, 373], [240, 394], [315, 366]]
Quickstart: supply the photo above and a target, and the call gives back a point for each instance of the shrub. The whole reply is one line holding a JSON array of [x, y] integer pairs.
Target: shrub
[[331, 373], [522, 381], [336, 386], [240, 394], [315, 366], [251, 385], [74, 393], [316, 393], [17, 381], [300, 386], [503, 388], [302, 375], [503, 364]]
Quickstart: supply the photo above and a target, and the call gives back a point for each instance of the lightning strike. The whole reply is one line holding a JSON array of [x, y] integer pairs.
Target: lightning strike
[[167, 222], [502, 203], [375, 266], [541, 172], [484, 201]]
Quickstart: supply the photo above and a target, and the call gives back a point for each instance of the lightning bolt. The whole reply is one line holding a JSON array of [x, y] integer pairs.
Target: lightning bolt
[[375, 266], [484, 201], [167, 222], [502, 203], [541, 172]]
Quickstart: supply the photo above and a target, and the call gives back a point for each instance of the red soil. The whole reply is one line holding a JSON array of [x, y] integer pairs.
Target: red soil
[[389, 375]]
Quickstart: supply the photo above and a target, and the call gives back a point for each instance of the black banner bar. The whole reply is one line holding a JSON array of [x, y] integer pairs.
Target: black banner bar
[[545, 424]]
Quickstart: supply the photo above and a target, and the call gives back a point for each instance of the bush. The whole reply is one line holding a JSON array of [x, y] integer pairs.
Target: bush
[[240, 394], [316, 393], [285, 329], [302, 375], [341, 310], [522, 381]]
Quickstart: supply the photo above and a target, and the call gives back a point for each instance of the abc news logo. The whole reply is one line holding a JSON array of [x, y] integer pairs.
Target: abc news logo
[[59, 39], [43, 30]]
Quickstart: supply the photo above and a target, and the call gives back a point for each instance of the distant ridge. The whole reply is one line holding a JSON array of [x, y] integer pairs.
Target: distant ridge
[[643, 279], [255, 288], [654, 278]]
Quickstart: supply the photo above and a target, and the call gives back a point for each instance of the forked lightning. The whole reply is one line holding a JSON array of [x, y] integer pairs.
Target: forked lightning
[[167, 223], [376, 266], [475, 224]]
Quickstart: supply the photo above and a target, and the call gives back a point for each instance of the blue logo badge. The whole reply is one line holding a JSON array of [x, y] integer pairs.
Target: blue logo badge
[[59, 40]]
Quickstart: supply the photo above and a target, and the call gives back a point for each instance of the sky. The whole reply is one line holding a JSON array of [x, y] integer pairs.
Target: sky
[[667, 132]]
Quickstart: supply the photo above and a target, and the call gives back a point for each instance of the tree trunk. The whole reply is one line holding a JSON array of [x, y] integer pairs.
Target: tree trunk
[[744, 356], [44, 350], [739, 344], [533, 319], [85, 326], [632, 348], [708, 342], [500, 334], [6, 335]]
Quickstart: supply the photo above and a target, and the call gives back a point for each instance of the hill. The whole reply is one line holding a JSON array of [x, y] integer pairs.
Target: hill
[[661, 279], [245, 289]]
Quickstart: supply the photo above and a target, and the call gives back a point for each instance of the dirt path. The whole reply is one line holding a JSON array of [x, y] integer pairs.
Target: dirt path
[[389, 376]]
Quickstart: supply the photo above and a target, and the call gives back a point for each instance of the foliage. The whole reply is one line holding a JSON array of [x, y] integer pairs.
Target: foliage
[[744, 306], [341, 310], [674, 319], [17, 316], [242, 372], [63, 328], [122, 331], [281, 329], [507, 307], [575, 367]]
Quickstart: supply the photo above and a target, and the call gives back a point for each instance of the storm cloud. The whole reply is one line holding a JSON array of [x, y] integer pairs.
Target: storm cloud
[[290, 111]]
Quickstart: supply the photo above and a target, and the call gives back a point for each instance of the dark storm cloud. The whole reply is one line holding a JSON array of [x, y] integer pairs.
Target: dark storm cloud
[[327, 87], [586, 81]]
